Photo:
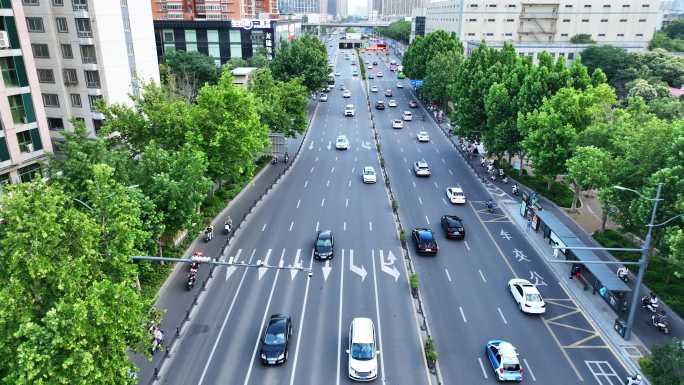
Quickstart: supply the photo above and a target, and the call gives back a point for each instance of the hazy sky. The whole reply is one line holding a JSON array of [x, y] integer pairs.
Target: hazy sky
[[358, 7]]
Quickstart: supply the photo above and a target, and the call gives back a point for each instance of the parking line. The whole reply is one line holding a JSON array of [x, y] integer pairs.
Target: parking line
[[299, 202], [263, 227], [482, 276], [346, 203], [436, 185], [306, 183], [344, 226], [451, 172], [502, 316], [445, 202], [317, 225], [484, 373], [332, 170], [323, 202], [370, 225], [463, 315], [353, 169], [291, 224], [529, 369], [466, 245], [349, 184], [327, 183], [312, 170], [420, 200], [414, 184], [447, 273], [427, 219]]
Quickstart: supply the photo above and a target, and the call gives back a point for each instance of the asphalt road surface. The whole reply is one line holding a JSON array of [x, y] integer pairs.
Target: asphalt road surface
[[366, 277], [465, 285]]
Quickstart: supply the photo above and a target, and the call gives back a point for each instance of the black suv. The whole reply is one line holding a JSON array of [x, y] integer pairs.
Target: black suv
[[324, 245], [453, 226], [380, 105], [424, 241], [276, 340]]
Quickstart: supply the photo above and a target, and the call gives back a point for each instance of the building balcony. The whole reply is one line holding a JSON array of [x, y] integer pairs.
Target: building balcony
[[85, 34], [82, 14], [95, 91], [90, 67]]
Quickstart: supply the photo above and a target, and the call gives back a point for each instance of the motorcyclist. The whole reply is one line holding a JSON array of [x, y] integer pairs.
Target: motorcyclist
[[650, 302], [286, 157], [634, 380], [228, 225], [623, 273], [209, 232], [490, 205], [515, 189]]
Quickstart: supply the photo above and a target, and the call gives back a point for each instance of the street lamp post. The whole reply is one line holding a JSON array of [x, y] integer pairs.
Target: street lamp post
[[643, 261]]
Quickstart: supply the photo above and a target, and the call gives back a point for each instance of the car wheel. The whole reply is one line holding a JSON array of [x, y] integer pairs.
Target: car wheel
[[520, 306], [286, 355]]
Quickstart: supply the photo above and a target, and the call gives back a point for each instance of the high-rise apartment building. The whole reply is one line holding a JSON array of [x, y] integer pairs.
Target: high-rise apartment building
[[303, 7], [536, 25], [393, 9], [87, 50], [24, 135], [213, 9]]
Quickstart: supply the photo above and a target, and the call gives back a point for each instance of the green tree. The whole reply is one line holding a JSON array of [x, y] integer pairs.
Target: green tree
[[188, 71], [281, 104], [399, 30], [69, 284], [587, 169], [305, 56], [582, 38], [422, 49], [175, 182], [227, 120], [645, 90], [666, 364], [618, 65], [667, 108], [441, 75]]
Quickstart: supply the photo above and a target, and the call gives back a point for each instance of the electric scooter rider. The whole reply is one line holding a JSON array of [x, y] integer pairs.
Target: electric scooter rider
[[634, 380], [623, 273], [650, 302]]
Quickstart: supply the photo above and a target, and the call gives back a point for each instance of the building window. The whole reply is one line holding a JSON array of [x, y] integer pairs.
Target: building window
[[62, 25], [571, 55], [639, 35], [568, 5], [80, 5], [621, 35], [168, 36], [93, 100], [75, 100], [55, 124], [623, 20], [92, 79], [235, 44], [508, 34], [606, 5], [9, 72], [5, 178], [31, 2], [566, 20], [25, 142], [67, 53], [46, 75], [70, 76], [491, 20], [57, 3], [4, 153], [564, 35], [26, 174], [83, 28], [625, 5], [645, 5], [50, 100], [587, 5], [35, 24], [40, 51], [601, 35], [604, 20], [642, 20], [473, 5], [88, 54], [21, 108], [510, 20], [585, 20]]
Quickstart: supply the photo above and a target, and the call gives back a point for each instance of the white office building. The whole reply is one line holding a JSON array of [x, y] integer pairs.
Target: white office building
[[86, 50], [538, 25]]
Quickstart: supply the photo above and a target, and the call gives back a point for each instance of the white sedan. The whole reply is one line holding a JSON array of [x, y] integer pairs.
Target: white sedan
[[342, 143], [374, 89], [421, 168], [369, 175], [346, 94], [407, 116], [392, 103], [400, 85], [527, 296], [456, 195], [337, 74], [397, 123], [423, 136]]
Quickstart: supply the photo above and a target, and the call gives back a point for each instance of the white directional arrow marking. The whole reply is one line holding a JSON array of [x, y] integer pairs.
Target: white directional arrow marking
[[365, 145], [311, 144], [231, 269], [361, 271], [329, 145], [262, 270], [326, 269], [388, 266], [297, 264]]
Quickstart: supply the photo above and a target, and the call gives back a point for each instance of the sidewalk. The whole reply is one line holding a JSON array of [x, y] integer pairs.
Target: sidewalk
[[177, 302]]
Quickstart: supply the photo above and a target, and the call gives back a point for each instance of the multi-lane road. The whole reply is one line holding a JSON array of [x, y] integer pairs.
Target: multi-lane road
[[464, 286]]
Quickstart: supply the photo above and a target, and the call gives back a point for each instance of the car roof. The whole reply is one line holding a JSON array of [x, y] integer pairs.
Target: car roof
[[368, 168], [421, 163], [455, 189], [407, 112], [341, 137], [362, 330], [423, 132], [325, 234], [349, 106], [453, 218]]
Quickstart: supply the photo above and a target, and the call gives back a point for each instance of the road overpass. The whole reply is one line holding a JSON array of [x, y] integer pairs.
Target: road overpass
[[362, 24]]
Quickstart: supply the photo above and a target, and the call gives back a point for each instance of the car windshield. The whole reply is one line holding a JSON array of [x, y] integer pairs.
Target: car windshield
[[368, 172], [533, 298], [426, 236], [511, 367], [274, 338], [323, 242], [363, 352]]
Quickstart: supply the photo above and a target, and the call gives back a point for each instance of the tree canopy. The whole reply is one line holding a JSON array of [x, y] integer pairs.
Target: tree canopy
[[304, 57], [399, 30], [186, 72], [422, 49], [281, 104]]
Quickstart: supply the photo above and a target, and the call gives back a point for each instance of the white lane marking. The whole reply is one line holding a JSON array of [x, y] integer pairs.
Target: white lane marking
[[482, 276], [332, 170], [377, 314], [231, 269], [529, 369], [437, 149], [436, 185], [225, 322], [335, 157], [356, 158], [261, 328], [339, 323], [323, 202], [370, 225], [344, 226], [427, 219], [349, 184], [299, 202], [462, 315], [291, 224], [306, 183], [353, 169], [420, 200], [502, 316], [301, 324], [317, 225], [484, 372], [327, 184], [312, 170], [263, 227], [445, 202], [405, 160], [466, 245], [419, 151], [414, 183], [451, 172], [401, 149], [346, 203], [443, 160], [297, 263], [447, 273]]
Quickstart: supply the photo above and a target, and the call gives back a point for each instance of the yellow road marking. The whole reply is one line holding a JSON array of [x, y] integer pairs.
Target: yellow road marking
[[573, 327], [567, 357], [563, 315], [501, 253], [578, 343]]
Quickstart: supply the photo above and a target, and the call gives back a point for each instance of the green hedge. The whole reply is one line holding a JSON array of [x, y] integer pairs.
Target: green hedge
[[658, 276]]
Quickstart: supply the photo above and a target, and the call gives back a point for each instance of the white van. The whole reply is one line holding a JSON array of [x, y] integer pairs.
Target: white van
[[362, 350]]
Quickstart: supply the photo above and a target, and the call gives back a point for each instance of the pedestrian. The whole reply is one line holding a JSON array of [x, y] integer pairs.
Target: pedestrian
[[529, 225]]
